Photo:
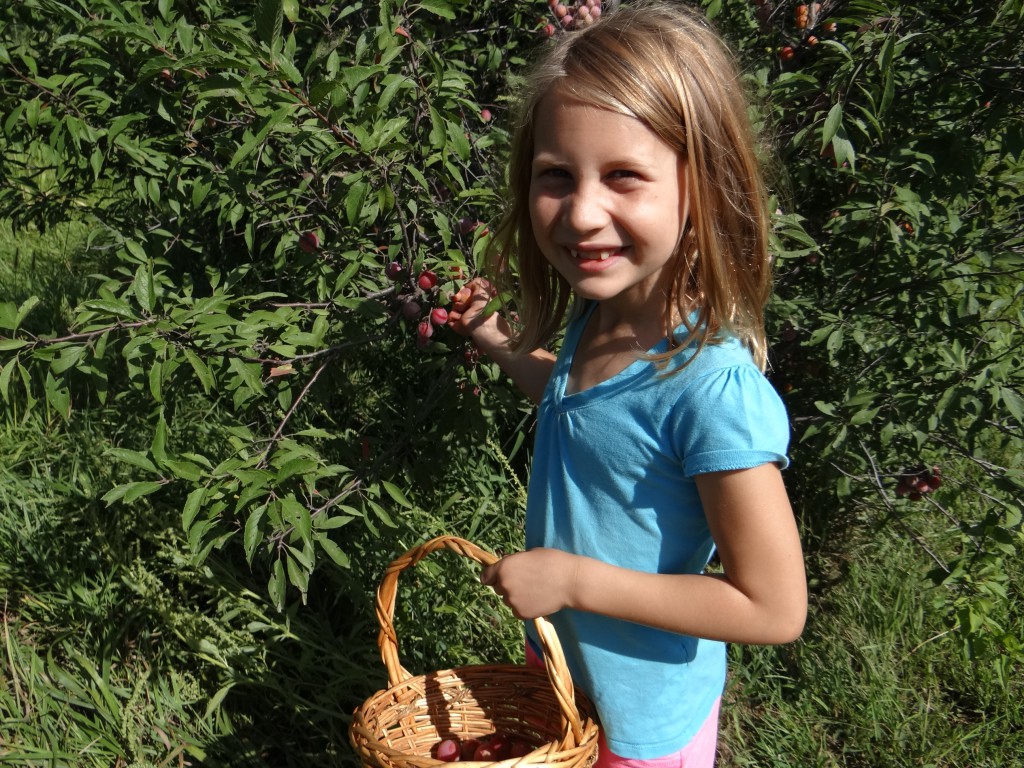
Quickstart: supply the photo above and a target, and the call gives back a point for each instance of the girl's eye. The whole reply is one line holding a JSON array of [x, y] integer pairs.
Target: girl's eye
[[624, 173], [554, 173]]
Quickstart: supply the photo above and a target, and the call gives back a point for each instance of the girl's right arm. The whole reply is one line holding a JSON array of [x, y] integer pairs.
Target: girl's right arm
[[491, 333]]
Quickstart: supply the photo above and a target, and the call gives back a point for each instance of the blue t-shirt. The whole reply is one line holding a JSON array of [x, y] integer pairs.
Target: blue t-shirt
[[613, 479]]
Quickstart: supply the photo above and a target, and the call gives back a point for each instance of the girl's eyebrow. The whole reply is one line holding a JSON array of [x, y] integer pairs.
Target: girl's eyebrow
[[552, 158]]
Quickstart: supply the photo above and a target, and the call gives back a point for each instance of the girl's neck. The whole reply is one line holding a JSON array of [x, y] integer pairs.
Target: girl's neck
[[645, 324], [610, 343]]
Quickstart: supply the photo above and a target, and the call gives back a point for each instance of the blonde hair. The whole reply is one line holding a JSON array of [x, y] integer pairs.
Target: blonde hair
[[664, 65]]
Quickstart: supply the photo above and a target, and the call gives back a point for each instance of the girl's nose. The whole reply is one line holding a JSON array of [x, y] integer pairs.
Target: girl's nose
[[585, 209]]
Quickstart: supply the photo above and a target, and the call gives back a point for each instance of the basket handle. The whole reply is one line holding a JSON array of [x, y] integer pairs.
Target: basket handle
[[387, 640]]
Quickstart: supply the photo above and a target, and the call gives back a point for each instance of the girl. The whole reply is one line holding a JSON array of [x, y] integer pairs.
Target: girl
[[638, 214]]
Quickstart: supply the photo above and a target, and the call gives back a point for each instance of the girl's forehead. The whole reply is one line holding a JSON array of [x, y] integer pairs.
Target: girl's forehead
[[567, 126], [563, 96]]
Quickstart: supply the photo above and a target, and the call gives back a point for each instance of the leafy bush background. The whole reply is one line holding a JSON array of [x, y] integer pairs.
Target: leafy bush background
[[214, 441]]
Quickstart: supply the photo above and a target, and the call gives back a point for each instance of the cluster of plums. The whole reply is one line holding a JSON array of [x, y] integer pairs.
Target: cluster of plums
[[916, 483], [806, 17], [497, 746], [573, 15], [410, 306]]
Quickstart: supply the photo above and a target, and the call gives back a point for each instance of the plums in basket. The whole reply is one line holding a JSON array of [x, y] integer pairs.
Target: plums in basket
[[469, 747], [485, 753], [519, 748], [448, 750], [486, 749], [501, 744]]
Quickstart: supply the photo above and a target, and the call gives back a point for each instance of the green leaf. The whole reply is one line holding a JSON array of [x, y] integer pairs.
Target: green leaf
[[354, 201], [202, 371], [144, 488], [156, 381], [396, 493], [1014, 403], [438, 132], [864, 417], [355, 75], [136, 249], [277, 585], [143, 287], [843, 149], [193, 504], [322, 90], [8, 315], [393, 83], [457, 139], [438, 7], [260, 136], [134, 458], [213, 705], [296, 514], [26, 306], [158, 446], [381, 514], [249, 373], [129, 492], [69, 358], [297, 574], [269, 20], [195, 538], [302, 557], [6, 345], [334, 551], [833, 122], [111, 307], [184, 470], [888, 92], [253, 532], [6, 371], [346, 277], [59, 397], [885, 54]]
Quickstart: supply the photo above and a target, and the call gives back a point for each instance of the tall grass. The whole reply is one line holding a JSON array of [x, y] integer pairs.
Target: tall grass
[[874, 681]]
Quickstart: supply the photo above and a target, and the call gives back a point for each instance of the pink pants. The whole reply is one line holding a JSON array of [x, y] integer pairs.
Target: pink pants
[[698, 753]]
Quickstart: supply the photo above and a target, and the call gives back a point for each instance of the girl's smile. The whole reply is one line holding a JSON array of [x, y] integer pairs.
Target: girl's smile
[[596, 259], [607, 201]]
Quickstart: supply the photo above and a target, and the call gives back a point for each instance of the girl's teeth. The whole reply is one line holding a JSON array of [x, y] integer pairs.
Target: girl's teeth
[[602, 255]]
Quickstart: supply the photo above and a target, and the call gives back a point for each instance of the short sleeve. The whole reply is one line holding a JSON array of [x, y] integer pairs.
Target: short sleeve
[[731, 418]]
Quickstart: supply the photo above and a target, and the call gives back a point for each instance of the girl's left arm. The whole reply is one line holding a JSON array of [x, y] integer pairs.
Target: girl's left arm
[[759, 597]]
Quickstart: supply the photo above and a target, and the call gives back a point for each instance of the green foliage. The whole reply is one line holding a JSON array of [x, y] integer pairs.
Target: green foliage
[[242, 431], [899, 333], [120, 647], [201, 142], [872, 682]]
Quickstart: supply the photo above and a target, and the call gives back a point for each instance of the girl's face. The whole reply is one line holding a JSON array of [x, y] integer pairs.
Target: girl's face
[[608, 203]]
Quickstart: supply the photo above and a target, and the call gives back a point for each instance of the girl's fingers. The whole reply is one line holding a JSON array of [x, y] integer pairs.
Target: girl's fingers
[[487, 576]]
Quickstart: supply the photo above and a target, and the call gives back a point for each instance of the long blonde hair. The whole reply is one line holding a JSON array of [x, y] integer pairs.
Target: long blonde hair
[[664, 65]]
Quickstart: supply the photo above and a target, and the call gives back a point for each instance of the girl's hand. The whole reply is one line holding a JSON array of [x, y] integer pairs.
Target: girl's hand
[[492, 335], [466, 315], [534, 583]]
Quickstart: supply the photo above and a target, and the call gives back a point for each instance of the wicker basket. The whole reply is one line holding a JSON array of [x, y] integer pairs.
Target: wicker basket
[[399, 727]]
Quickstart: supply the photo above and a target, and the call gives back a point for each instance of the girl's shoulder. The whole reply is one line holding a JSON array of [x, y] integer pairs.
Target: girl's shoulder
[[724, 351], [721, 376]]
